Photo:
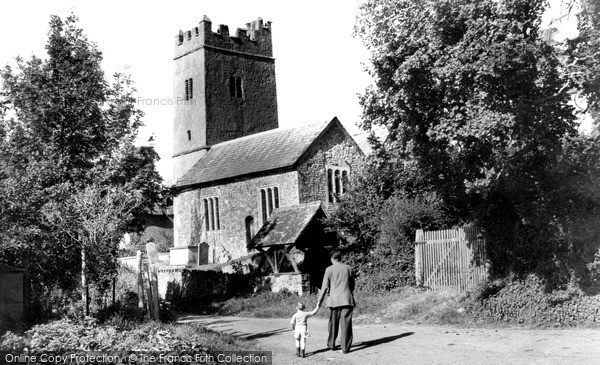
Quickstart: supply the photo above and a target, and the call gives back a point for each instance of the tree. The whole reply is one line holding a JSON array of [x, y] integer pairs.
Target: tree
[[96, 218], [65, 130], [475, 103], [583, 54]]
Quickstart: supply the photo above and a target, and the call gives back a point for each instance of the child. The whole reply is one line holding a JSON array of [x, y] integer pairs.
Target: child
[[299, 324]]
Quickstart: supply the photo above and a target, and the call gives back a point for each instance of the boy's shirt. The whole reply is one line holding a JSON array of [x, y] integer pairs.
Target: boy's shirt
[[300, 317]]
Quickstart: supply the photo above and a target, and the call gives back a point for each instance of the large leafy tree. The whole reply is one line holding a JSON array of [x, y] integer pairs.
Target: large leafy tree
[[476, 106], [583, 53], [66, 128]]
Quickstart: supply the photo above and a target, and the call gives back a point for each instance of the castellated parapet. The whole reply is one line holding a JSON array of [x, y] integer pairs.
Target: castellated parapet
[[254, 39]]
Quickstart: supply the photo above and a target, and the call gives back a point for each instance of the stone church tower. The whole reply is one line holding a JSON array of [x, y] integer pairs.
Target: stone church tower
[[223, 88]]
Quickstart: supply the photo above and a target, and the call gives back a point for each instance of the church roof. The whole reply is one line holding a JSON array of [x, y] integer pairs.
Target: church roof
[[260, 152], [286, 224]]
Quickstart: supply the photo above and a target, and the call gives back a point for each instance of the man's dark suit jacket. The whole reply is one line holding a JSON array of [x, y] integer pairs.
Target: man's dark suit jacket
[[338, 285]]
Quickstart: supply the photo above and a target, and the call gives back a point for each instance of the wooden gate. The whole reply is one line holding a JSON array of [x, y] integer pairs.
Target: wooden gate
[[450, 259]]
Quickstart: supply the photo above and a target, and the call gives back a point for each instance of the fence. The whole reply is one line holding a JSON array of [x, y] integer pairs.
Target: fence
[[450, 258]]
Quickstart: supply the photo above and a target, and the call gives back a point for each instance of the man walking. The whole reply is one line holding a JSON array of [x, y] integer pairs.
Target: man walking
[[338, 285]]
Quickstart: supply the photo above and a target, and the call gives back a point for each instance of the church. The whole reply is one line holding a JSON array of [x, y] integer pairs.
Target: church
[[244, 186]]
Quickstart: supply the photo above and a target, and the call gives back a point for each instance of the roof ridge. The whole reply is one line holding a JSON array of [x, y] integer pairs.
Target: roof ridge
[[263, 133]]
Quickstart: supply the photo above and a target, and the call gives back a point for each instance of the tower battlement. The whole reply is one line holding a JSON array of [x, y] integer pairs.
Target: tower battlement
[[254, 39]]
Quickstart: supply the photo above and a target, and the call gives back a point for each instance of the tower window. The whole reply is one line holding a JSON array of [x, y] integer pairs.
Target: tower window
[[269, 200], [189, 133], [212, 219], [189, 89], [236, 87], [337, 183]]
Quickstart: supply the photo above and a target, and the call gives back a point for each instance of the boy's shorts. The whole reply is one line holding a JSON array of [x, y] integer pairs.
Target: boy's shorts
[[300, 332]]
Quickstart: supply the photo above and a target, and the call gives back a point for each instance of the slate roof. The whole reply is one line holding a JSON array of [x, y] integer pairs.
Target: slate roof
[[265, 151], [286, 224]]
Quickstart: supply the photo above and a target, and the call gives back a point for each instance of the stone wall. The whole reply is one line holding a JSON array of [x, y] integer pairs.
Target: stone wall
[[190, 289], [334, 148], [295, 283], [238, 200]]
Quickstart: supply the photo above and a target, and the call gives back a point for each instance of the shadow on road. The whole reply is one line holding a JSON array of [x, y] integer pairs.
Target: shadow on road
[[366, 344], [202, 321], [265, 334]]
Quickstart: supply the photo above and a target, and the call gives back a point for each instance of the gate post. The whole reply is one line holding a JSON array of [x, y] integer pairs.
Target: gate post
[[419, 239]]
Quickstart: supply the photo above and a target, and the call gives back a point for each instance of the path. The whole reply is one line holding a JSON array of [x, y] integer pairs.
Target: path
[[416, 344]]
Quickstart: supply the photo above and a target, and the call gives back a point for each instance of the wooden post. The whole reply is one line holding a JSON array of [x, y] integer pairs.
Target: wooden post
[[148, 290], [153, 284], [153, 279], [418, 258], [139, 270]]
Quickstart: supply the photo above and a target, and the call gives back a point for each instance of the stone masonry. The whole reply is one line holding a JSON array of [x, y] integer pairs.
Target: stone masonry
[[238, 200], [205, 111], [334, 148]]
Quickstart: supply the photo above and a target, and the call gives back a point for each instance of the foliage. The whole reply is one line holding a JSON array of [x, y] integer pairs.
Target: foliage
[[477, 110], [65, 131], [380, 228], [88, 335], [583, 54], [526, 301]]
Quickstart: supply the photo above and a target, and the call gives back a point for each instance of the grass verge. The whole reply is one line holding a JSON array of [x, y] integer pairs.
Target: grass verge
[[404, 305]]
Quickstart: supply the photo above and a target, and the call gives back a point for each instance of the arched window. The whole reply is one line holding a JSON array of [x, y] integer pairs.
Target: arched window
[[212, 215], [218, 222], [337, 183], [263, 205], [206, 222], [249, 223], [269, 200], [270, 197], [276, 197], [330, 190]]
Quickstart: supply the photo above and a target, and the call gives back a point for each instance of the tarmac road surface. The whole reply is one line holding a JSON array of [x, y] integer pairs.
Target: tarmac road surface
[[415, 344]]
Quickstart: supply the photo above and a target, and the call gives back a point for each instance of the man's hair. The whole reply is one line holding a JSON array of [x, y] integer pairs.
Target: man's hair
[[336, 255], [301, 306]]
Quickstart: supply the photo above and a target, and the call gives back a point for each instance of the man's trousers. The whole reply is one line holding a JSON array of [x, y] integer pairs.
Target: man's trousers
[[340, 318]]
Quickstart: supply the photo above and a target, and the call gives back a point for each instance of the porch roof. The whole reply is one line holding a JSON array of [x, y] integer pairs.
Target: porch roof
[[286, 225]]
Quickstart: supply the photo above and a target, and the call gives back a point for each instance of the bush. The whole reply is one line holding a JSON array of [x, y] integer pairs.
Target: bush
[[526, 301], [388, 262], [88, 335], [124, 313]]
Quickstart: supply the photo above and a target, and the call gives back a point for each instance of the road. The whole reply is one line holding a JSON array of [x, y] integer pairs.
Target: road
[[415, 344]]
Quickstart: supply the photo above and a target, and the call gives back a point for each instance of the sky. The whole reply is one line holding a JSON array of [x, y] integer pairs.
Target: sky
[[319, 64]]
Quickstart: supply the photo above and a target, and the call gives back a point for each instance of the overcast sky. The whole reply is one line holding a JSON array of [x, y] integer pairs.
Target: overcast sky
[[318, 62]]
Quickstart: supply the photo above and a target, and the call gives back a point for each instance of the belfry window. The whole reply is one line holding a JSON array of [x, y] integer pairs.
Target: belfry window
[[212, 219], [269, 200], [189, 89], [236, 87], [337, 183]]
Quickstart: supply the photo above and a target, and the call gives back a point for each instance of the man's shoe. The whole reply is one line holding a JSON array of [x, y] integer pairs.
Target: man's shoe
[[302, 353]]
